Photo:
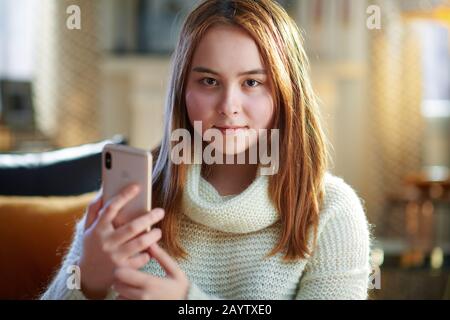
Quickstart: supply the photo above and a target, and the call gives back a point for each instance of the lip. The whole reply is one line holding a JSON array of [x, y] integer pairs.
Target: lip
[[230, 129]]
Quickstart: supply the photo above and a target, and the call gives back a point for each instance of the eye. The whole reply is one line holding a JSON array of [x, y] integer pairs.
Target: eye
[[211, 82], [252, 83]]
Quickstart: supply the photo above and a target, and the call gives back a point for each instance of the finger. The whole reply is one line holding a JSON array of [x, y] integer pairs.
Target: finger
[[139, 260], [93, 209], [114, 205], [139, 244], [127, 292], [132, 229], [165, 260], [134, 278]]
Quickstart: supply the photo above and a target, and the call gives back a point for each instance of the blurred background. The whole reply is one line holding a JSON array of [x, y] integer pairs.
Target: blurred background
[[380, 68]]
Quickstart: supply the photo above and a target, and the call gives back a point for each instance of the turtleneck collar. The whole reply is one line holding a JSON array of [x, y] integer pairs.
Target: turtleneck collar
[[249, 211]]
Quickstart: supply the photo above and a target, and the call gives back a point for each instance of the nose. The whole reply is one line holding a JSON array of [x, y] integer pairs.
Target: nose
[[230, 104]]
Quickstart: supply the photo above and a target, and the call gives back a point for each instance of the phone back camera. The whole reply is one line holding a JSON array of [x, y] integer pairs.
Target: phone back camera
[[108, 160]]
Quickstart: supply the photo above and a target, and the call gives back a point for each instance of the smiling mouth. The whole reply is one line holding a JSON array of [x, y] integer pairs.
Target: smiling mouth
[[229, 130]]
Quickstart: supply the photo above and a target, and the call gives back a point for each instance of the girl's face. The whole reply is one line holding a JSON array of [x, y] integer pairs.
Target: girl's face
[[228, 88]]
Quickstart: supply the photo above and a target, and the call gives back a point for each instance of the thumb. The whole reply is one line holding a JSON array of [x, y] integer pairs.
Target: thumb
[[93, 209]]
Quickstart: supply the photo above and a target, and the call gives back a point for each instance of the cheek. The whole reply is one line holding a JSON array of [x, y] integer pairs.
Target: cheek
[[260, 111], [200, 107]]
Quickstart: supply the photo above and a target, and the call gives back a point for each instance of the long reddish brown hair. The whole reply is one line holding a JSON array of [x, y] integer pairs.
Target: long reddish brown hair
[[296, 190]]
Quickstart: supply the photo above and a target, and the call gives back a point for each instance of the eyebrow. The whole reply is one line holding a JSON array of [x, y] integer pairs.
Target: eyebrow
[[206, 70]]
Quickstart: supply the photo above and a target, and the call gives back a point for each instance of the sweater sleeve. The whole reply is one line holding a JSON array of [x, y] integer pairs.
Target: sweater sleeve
[[339, 267], [59, 289]]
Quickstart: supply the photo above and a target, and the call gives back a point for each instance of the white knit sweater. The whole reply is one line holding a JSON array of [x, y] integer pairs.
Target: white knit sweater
[[227, 239]]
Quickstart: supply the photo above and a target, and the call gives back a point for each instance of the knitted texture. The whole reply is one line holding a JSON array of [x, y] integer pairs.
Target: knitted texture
[[227, 252]]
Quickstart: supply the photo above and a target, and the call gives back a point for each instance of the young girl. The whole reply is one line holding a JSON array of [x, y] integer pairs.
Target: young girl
[[226, 231]]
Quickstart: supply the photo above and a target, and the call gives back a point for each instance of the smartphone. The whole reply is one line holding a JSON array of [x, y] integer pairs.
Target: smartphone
[[121, 166]]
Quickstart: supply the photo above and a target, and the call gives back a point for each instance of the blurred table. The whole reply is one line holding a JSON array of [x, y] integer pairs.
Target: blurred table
[[421, 195]]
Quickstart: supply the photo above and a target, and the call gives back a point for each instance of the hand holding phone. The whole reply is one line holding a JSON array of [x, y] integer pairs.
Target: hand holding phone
[[118, 228], [106, 248]]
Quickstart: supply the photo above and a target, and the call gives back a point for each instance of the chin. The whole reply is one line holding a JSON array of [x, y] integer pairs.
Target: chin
[[231, 148]]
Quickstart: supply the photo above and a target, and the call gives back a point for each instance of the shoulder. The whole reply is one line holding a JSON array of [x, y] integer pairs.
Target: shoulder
[[342, 210], [343, 233], [339, 197]]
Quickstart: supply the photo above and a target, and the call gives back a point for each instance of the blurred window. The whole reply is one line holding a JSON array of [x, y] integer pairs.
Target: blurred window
[[435, 69]]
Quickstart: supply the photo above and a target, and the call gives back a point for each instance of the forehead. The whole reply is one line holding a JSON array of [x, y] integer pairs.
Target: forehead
[[227, 48]]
